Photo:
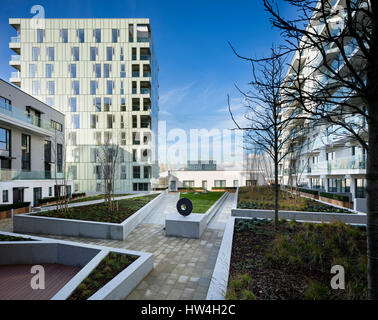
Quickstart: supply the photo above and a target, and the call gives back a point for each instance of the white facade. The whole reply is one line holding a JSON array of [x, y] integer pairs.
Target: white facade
[[327, 159], [31, 147], [102, 74]]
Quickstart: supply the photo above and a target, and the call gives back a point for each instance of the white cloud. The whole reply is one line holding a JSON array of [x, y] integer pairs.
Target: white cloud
[[175, 96]]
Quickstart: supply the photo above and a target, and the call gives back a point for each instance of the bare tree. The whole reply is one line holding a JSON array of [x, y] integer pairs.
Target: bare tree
[[335, 76], [108, 159], [266, 131]]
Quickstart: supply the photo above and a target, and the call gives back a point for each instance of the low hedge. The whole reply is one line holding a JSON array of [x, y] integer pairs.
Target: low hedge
[[223, 188], [334, 196], [193, 188], [78, 195], [50, 199], [160, 189], [309, 191], [6, 207]]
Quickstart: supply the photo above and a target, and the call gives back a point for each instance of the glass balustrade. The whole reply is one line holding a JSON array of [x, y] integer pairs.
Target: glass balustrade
[[15, 39], [11, 174], [347, 163], [15, 57]]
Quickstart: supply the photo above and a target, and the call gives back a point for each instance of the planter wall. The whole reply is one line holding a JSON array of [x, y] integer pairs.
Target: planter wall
[[26, 223], [344, 204], [301, 215], [86, 256], [8, 213], [309, 195]]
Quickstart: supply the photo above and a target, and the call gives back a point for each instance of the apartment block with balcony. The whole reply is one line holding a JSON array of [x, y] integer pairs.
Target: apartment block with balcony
[[324, 157], [103, 75], [31, 148]]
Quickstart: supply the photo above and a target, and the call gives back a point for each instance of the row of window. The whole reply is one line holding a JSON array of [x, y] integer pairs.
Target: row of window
[[75, 86], [340, 185], [142, 34], [217, 184], [144, 54]]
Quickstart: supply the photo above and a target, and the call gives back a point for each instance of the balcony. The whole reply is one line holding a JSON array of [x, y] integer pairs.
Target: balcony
[[15, 62], [145, 57], [15, 44], [16, 117], [15, 78], [347, 163], [145, 90], [10, 174], [143, 39]]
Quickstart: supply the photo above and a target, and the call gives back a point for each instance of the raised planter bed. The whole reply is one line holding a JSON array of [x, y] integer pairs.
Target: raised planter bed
[[87, 257], [193, 225], [8, 213], [293, 261], [345, 204], [37, 224], [301, 215]]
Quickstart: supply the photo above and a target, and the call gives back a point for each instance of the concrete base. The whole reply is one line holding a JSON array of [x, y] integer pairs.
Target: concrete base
[[191, 226]]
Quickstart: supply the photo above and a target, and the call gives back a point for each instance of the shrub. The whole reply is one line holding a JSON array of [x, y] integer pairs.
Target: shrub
[[334, 196], [309, 191], [6, 207], [316, 291], [78, 195]]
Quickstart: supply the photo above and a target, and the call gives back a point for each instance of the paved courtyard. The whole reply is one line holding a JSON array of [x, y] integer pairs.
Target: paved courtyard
[[182, 267]]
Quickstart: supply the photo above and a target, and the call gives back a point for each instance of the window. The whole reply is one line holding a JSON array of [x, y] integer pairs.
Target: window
[[122, 90], [146, 172], [25, 148], [93, 53], [123, 172], [353, 151], [50, 88], [136, 172], [50, 53], [94, 153], [80, 35], [32, 70], [73, 172], [330, 156], [76, 121], [204, 184], [72, 70], [115, 34], [75, 54], [236, 183], [5, 196], [131, 33], [93, 86], [76, 87], [93, 121], [97, 137], [5, 103], [35, 53], [47, 151], [97, 104], [109, 53], [123, 138], [40, 35], [133, 54], [121, 57], [64, 35], [360, 188], [97, 70], [109, 121], [123, 71], [109, 87], [123, 104], [97, 35], [219, 183], [72, 102], [56, 125], [107, 104], [50, 101], [50, 191], [49, 70], [135, 155], [72, 138], [107, 70], [188, 183], [135, 122], [35, 87], [4, 139], [107, 137], [136, 138], [122, 123]]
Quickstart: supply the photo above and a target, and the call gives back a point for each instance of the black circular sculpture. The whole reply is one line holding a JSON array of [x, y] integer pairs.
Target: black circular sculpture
[[184, 207]]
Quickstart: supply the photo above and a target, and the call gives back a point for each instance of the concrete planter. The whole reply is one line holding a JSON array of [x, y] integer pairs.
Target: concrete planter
[[348, 218], [86, 256], [219, 280], [193, 225], [80, 228]]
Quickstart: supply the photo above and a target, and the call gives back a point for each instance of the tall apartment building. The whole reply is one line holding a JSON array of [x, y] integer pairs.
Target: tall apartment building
[[102, 74], [324, 158], [31, 148]]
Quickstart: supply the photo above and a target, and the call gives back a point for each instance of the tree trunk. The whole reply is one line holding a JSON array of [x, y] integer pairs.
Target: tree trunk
[[276, 193], [372, 205]]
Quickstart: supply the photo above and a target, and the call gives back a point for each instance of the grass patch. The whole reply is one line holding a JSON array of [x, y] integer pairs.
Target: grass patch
[[108, 268], [263, 198], [99, 212], [202, 201], [294, 261], [97, 197], [4, 237]]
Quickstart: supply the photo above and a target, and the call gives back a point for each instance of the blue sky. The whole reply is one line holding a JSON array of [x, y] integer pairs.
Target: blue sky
[[197, 67]]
